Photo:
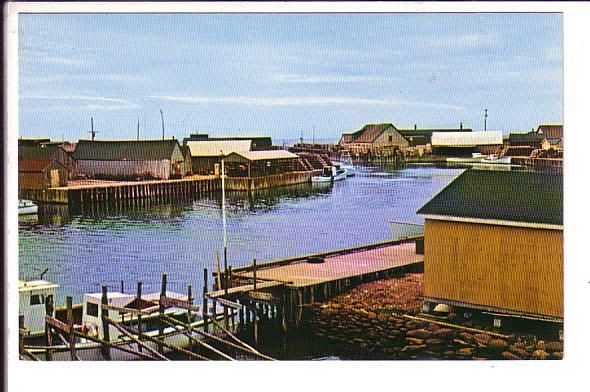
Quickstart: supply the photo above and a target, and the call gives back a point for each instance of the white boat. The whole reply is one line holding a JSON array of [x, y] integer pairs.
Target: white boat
[[345, 163], [481, 158], [35, 294], [27, 207], [330, 174]]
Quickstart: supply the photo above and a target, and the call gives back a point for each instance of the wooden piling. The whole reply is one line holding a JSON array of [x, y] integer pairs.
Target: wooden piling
[[105, 324], [70, 321], [162, 308], [205, 307], [138, 300], [48, 329]]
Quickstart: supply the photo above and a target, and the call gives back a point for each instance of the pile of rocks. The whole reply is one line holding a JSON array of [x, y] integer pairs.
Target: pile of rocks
[[374, 324]]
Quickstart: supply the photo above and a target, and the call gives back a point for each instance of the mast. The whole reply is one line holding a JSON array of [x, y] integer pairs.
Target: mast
[[223, 212], [138, 128], [485, 121]]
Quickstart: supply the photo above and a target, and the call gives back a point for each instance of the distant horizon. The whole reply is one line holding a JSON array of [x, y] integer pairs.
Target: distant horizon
[[282, 75]]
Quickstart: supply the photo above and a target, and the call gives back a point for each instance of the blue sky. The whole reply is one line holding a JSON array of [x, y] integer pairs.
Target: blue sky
[[285, 74]]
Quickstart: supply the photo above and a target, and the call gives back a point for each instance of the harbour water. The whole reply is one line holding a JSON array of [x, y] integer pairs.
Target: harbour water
[[139, 243]]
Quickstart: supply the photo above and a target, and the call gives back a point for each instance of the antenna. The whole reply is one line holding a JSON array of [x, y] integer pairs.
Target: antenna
[[92, 131], [485, 121], [162, 115]]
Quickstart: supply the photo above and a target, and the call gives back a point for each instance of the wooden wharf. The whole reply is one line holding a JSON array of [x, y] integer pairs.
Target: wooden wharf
[[93, 192], [278, 289]]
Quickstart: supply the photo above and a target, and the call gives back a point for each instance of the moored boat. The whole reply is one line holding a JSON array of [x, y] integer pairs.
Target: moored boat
[[346, 164], [480, 158], [27, 207], [330, 174]]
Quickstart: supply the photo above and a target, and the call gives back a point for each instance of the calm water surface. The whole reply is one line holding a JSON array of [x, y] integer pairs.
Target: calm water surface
[[83, 251]]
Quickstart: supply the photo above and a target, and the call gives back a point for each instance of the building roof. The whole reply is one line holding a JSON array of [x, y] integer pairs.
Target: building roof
[[419, 136], [551, 130], [267, 155], [518, 198], [466, 139], [529, 138], [125, 150], [213, 148], [370, 132]]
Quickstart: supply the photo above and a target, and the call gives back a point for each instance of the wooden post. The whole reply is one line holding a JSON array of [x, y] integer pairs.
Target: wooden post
[[105, 324], [254, 307], [122, 287], [162, 295], [48, 330], [138, 300], [70, 320], [218, 270], [21, 336], [205, 307], [190, 300]]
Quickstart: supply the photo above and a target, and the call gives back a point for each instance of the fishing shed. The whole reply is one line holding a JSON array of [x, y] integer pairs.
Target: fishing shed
[[493, 240], [261, 163], [129, 159], [373, 136], [458, 144], [206, 154], [41, 167]]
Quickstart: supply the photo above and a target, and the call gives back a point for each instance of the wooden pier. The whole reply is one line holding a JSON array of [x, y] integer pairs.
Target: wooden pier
[[90, 192], [278, 289]]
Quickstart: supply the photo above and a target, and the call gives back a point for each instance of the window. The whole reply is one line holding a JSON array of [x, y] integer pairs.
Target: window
[[36, 299], [92, 309], [390, 138]]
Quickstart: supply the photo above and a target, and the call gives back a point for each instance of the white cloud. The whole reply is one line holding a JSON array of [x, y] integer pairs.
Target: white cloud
[[305, 78], [301, 101], [104, 103]]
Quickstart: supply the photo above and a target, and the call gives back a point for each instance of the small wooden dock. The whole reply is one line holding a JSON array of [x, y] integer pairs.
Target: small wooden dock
[[280, 288], [90, 192]]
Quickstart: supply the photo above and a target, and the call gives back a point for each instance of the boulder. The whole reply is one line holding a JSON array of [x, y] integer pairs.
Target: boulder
[[522, 353], [466, 336], [540, 354], [419, 333], [434, 342], [465, 352], [443, 333], [497, 345], [510, 356], [557, 355], [415, 340], [482, 338]]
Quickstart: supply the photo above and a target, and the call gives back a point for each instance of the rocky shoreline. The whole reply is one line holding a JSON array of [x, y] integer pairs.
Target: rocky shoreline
[[374, 324]]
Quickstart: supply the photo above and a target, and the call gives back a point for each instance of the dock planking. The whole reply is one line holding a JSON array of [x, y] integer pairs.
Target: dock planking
[[280, 288], [345, 266]]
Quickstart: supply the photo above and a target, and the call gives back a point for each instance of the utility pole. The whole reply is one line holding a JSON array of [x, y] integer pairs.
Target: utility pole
[[138, 128], [485, 121], [162, 115], [92, 132]]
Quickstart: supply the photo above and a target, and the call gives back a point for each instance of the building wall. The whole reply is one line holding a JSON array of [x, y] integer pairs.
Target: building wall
[[390, 138], [204, 165], [510, 268], [123, 169]]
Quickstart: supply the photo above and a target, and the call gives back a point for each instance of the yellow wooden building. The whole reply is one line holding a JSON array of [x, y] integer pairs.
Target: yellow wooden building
[[494, 241]]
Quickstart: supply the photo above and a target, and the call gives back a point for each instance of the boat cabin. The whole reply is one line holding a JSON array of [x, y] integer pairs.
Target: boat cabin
[[92, 311], [33, 295]]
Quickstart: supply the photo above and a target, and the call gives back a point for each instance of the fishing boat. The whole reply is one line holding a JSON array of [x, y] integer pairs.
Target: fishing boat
[[124, 310], [480, 158], [345, 163], [27, 207], [330, 174]]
